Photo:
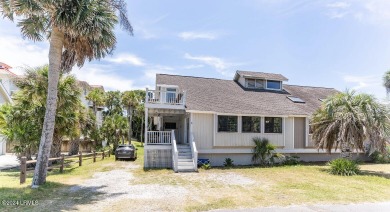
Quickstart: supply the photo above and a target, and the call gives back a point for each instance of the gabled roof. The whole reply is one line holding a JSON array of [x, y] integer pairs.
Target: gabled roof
[[259, 75], [4, 69], [228, 96]]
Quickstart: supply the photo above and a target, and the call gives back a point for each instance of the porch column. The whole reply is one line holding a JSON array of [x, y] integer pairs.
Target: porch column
[[146, 126]]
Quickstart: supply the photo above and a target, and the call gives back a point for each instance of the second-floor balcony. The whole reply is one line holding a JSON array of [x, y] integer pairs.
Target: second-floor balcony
[[165, 99]]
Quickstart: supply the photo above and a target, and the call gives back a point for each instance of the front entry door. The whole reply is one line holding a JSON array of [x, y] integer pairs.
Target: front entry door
[[168, 126]]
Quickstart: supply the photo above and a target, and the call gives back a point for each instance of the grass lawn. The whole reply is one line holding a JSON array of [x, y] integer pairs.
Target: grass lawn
[[239, 187]]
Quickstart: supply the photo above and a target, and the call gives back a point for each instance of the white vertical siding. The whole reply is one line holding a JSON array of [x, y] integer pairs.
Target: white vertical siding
[[2, 98], [241, 80], [203, 130], [245, 139], [289, 131]]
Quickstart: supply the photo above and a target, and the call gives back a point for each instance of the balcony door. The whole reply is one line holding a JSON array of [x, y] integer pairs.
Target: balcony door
[[170, 95]]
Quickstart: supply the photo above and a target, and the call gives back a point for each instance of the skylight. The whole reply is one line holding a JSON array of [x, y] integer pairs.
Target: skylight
[[295, 99]]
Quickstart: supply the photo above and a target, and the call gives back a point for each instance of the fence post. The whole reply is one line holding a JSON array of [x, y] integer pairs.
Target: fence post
[[103, 155], [62, 163], [109, 154], [23, 170], [80, 158], [94, 156]]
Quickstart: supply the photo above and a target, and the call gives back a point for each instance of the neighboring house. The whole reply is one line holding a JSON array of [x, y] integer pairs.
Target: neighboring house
[[214, 119], [7, 88], [86, 88]]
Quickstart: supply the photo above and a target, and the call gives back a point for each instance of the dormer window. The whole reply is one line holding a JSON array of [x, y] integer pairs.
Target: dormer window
[[274, 85], [254, 83]]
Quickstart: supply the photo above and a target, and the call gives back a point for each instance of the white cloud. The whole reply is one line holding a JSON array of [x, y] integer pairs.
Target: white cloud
[[198, 35], [370, 84], [369, 11], [219, 64], [17, 53], [125, 58], [340, 4], [102, 75]]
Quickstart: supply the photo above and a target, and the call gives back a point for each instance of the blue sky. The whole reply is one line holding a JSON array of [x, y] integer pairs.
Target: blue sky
[[340, 44]]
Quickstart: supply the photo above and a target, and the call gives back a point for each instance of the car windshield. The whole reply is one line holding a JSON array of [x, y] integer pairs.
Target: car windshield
[[121, 146]]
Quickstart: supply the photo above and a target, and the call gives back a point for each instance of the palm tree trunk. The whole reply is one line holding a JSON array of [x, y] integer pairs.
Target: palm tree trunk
[[55, 52], [130, 117], [74, 146], [55, 151]]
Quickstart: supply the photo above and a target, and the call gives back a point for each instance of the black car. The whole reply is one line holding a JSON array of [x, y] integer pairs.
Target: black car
[[126, 151]]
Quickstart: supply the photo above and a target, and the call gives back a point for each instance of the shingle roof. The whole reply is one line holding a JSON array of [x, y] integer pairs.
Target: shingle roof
[[262, 75], [228, 96]]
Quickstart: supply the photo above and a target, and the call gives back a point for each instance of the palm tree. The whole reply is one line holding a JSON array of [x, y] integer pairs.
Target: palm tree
[[386, 83], [347, 120], [115, 128], [97, 97], [113, 103], [130, 100], [25, 117], [77, 30], [263, 152]]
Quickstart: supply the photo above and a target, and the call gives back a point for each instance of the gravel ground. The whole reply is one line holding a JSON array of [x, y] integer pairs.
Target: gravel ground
[[116, 186], [225, 178], [358, 207]]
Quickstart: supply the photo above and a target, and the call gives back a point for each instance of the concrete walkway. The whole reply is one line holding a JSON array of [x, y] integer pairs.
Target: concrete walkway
[[8, 161], [358, 207]]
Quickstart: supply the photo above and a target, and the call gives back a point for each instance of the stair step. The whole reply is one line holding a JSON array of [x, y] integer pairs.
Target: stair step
[[184, 150], [185, 156], [184, 160], [189, 164], [186, 170]]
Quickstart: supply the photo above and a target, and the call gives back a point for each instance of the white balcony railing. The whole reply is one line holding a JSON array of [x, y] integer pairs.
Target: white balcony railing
[[165, 97], [159, 137]]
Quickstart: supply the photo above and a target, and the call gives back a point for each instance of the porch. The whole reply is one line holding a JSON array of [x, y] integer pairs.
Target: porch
[[168, 143]]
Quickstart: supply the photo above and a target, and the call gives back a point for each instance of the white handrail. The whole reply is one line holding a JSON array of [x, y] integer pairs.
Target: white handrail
[[159, 137], [175, 152], [194, 152], [165, 97]]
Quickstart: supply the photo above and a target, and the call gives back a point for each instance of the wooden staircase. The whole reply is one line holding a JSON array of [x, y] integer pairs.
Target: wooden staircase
[[185, 159]]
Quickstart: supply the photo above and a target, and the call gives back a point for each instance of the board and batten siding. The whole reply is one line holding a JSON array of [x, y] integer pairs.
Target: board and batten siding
[[204, 127], [289, 133], [203, 130]]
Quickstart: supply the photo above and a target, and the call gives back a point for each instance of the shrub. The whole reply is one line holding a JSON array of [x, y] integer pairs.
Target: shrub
[[206, 166], [228, 162], [291, 160], [344, 167], [379, 157], [263, 152]]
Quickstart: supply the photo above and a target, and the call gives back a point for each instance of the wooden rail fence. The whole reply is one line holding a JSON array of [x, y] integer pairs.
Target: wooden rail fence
[[24, 162]]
